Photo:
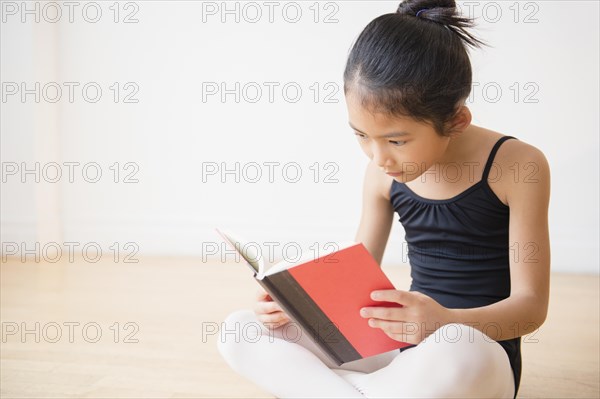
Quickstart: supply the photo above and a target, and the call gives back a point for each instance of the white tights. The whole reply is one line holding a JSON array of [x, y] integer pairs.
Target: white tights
[[455, 361]]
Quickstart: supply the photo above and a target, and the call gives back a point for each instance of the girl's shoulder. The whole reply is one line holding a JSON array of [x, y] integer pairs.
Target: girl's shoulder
[[518, 166], [515, 157], [510, 150], [380, 181]]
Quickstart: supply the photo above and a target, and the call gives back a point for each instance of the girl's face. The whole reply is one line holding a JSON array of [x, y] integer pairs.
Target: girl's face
[[396, 144]]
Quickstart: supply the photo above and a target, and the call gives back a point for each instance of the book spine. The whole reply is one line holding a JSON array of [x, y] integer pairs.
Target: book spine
[[301, 308]]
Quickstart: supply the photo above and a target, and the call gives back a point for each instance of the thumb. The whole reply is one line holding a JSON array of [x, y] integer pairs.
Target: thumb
[[261, 294]]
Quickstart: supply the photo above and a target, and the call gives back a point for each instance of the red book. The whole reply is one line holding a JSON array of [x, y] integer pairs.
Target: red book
[[324, 295]]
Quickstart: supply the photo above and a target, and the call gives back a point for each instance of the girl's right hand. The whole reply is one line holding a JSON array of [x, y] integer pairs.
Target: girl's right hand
[[268, 311]]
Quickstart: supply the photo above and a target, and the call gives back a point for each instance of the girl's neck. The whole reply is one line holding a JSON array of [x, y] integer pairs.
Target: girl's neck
[[461, 147]]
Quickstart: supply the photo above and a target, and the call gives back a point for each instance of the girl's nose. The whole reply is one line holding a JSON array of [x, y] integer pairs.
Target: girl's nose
[[382, 159]]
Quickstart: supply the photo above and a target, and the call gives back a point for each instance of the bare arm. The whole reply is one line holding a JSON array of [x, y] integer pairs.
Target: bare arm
[[525, 309], [377, 213]]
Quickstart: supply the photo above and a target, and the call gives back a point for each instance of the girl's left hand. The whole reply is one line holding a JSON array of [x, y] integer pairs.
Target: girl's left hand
[[419, 316]]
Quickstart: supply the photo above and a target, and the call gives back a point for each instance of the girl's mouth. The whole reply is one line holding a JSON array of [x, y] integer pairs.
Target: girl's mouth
[[394, 174]]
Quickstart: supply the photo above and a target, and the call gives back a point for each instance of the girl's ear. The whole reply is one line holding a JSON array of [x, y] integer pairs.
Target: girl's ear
[[459, 122]]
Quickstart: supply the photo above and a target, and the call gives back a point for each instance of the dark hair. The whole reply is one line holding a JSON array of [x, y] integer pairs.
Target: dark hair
[[407, 65]]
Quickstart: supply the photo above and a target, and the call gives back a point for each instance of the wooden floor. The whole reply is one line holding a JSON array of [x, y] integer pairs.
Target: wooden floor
[[168, 302]]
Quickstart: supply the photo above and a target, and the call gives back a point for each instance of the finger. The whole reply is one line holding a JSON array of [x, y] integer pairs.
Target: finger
[[262, 295], [385, 313], [395, 327], [268, 307], [277, 318], [408, 338], [405, 298], [396, 331], [385, 325]]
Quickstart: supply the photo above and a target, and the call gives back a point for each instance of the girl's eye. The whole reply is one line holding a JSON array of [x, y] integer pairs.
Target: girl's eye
[[360, 136], [398, 143]]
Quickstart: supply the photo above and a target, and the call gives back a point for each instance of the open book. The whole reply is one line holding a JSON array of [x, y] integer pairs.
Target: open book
[[324, 295]]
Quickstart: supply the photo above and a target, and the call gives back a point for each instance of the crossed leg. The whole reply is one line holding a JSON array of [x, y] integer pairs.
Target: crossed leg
[[455, 361]]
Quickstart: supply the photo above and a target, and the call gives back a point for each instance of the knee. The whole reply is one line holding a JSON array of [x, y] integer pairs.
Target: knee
[[463, 342], [237, 330], [472, 357], [459, 335]]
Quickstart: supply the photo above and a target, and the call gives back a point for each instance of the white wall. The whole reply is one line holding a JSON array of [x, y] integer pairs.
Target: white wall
[[170, 133]]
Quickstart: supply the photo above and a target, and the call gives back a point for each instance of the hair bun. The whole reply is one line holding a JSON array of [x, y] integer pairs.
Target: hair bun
[[443, 12], [414, 7]]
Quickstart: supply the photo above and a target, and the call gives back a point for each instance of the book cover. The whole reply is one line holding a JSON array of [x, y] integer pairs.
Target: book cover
[[324, 295]]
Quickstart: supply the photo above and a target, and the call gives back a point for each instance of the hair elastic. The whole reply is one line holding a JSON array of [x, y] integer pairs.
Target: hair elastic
[[418, 12]]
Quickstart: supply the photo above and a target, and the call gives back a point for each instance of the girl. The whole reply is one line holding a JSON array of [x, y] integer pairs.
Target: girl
[[474, 205]]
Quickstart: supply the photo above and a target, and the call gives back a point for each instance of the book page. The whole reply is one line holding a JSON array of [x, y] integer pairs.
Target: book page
[[250, 251]]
